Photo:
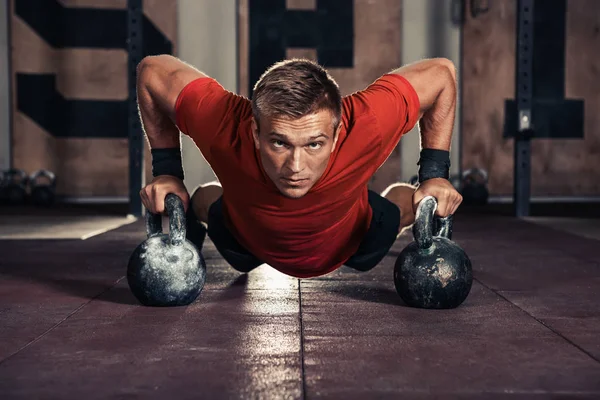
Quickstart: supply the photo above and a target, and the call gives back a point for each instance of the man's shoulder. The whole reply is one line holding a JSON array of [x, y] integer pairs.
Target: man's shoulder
[[199, 87]]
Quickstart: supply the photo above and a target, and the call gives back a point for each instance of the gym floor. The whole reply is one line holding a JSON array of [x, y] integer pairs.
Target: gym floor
[[71, 329]]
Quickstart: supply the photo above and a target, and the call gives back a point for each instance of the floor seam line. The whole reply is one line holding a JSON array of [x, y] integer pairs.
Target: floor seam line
[[37, 339], [303, 374], [539, 321]]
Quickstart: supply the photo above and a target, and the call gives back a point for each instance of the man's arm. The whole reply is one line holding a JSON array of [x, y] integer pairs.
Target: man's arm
[[160, 79], [434, 80]]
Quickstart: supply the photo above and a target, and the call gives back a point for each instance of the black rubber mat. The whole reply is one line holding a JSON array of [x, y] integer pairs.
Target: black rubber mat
[[70, 328]]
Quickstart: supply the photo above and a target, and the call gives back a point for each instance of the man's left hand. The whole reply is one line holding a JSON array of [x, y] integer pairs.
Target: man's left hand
[[448, 198]]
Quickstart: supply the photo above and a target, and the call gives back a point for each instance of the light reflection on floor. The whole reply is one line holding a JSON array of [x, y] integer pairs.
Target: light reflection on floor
[[271, 347]]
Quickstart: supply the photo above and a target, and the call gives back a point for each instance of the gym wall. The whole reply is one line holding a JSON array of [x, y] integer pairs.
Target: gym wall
[[4, 88], [559, 167], [58, 69], [428, 31], [207, 40], [215, 37]]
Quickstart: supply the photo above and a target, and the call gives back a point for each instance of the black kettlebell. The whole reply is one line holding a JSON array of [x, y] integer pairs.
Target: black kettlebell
[[14, 187], [455, 181], [474, 187], [42, 184], [166, 269], [433, 271]]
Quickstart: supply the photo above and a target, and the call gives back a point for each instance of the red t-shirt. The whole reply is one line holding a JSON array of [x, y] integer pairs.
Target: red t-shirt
[[317, 233]]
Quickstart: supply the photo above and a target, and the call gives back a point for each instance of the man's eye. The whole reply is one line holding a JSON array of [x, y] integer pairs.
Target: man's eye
[[278, 143], [315, 145]]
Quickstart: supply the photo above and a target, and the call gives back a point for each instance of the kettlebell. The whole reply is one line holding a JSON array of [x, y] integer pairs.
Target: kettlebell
[[14, 187], [42, 193], [455, 181], [474, 187], [433, 271], [166, 270]]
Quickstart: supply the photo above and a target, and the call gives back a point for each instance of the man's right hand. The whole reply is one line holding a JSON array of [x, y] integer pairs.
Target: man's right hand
[[153, 195]]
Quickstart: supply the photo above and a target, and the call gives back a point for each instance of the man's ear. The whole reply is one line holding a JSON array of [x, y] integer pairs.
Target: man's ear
[[255, 133]]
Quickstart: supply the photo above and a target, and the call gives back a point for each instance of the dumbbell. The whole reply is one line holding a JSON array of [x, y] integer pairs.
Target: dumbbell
[[43, 187], [474, 187], [13, 190]]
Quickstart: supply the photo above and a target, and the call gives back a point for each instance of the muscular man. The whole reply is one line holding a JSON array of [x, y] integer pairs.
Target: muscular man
[[294, 161]]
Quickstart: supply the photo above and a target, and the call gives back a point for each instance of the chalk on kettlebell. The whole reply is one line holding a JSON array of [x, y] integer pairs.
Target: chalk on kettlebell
[[166, 269], [433, 271]]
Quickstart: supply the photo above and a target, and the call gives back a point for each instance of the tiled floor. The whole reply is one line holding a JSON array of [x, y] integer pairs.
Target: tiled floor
[[80, 227], [585, 227], [530, 329]]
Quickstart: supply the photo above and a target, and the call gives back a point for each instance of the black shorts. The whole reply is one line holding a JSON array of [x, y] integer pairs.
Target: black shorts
[[382, 233]]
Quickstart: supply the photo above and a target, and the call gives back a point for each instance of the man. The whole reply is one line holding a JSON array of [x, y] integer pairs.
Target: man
[[294, 162]]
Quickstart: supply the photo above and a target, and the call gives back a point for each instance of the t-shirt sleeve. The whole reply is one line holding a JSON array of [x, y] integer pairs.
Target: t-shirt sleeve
[[395, 104], [202, 110]]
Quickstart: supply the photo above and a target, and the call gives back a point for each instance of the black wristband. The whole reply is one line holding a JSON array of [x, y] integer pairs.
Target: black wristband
[[167, 162], [434, 163]]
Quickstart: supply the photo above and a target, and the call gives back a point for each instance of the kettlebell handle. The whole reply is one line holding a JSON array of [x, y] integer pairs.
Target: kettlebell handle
[[426, 221], [45, 174], [13, 173], [177, 225]]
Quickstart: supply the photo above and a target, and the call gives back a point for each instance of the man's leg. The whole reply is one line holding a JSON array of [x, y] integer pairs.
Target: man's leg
[[203, 197], [401, 194], [207, 206], [197, 213]]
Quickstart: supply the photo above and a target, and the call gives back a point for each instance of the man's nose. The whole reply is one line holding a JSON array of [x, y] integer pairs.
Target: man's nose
[[296, 161]]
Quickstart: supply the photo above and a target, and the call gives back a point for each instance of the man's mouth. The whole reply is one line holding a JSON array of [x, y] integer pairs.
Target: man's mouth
[[294, 182]]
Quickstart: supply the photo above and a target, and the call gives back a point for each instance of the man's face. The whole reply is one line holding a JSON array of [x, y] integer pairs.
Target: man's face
[[295, 153]]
